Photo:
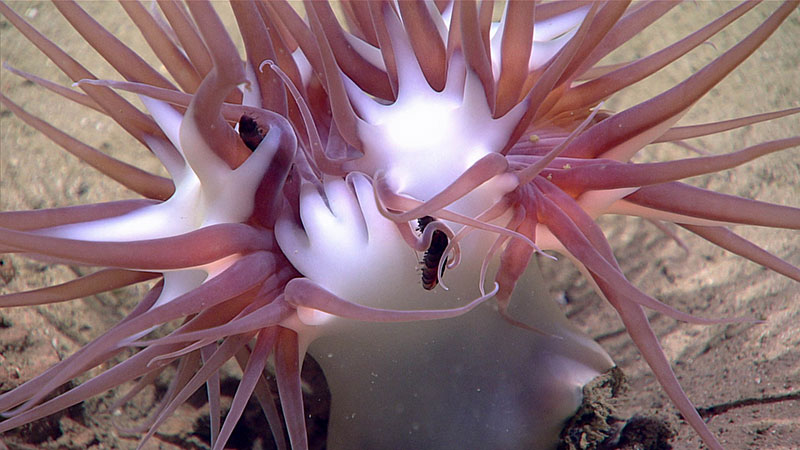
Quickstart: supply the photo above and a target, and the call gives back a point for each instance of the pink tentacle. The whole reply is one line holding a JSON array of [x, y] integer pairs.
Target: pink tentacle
[[644, 338], [480, 172], [514, 259], [219, 357], [175, 252], [188, 36], [130, 369], [306, 293], [360, 19], [265, 398], [600, 88], [263, 317], [693, 131], [265, 341], [126, 115], [287, 373], [259, 47], [692, 201], [664, 107], [631, 24], [397, 202], [426, 42], [530, 172], [574, 240], [40, 386], [237, 280], [734, 243], [345, 117], [173, 58], [603, 175], [368, 77], [228, 72], [46, 218], [476, 53], [667, 229], [101, 281], [69, 94], [147, 380], [517, 41], [602, 24], [119, 55], [547, 81], [130, 176], [212, 389]]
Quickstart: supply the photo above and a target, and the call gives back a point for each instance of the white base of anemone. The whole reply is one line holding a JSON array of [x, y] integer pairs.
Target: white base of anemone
[[470, 382]]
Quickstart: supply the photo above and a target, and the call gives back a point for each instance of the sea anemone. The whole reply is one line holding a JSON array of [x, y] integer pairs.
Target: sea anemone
[[301, 189]]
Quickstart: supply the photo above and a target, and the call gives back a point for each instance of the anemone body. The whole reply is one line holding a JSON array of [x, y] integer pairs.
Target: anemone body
[[393, 138]]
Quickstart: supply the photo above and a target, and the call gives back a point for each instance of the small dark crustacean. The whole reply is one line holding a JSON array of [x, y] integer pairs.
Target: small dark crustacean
[[250, 132], [433, 255]]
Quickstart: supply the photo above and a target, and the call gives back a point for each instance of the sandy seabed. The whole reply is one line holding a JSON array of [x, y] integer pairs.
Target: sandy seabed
[[750, 372]]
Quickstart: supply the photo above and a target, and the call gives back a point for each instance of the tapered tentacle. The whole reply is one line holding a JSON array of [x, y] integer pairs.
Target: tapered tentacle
[[730, 241], [133, 178], [266, 400], [370, 78], [613, 175], [126, 115], [265, 341], [591, 92], [287, 373], [517, 40], [515, 258], [547, 81], [359, 18], [146, 380], [346, 119], [203, 120], [381, 12], [283, 45], [692, 131], [480, 172], [120, 56], [173, 58], [527, 174], [186, 368], [46, 218], [623, 134], [98, 282], [646, 341], [212, 391], [602, 23], [129, 369], [222, 354], [593, 251], [152, 254], [237, 280], [41, 385], [304, 292], [426, 41], [70, 94], [188, 35], [474, 38], [264, 316], [679, 198], [628, 26], [295, 29], [259, 47]]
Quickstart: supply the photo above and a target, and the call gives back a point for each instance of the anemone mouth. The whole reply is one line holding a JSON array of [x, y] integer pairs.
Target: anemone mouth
[[770, 239]]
